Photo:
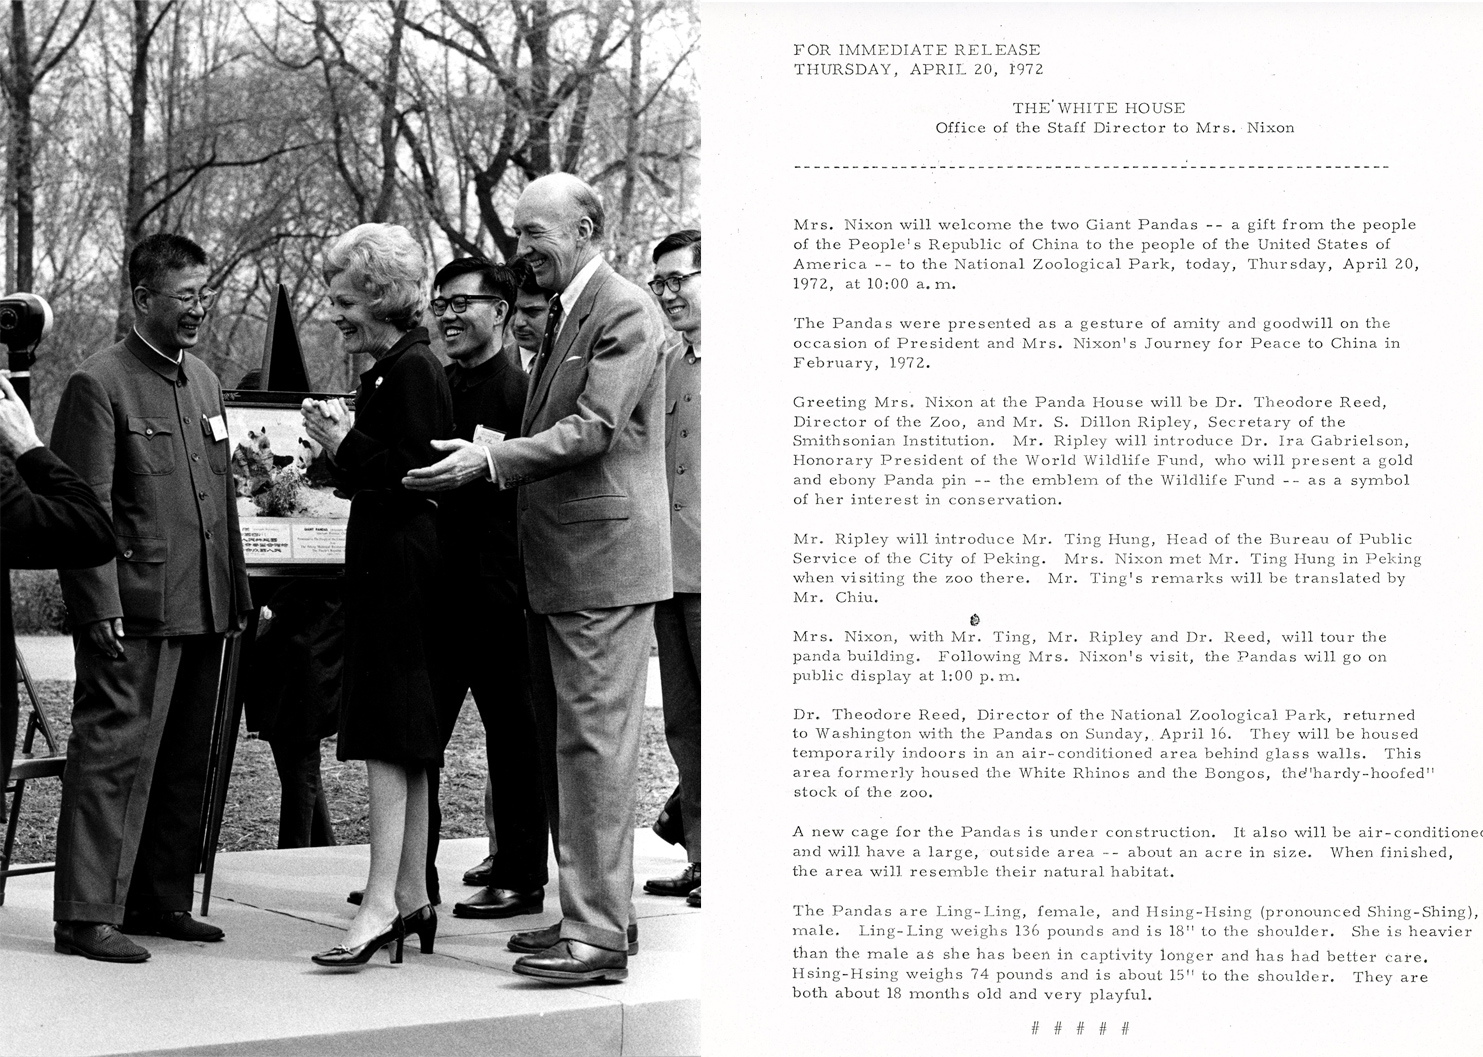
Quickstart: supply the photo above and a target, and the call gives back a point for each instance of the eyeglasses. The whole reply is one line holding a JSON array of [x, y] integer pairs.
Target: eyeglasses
[[204, 297], [669, 282], [459, 303]]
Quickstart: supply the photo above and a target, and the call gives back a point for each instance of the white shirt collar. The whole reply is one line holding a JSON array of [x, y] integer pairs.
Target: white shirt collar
[[575, 287], [527, 357], [173, 359]]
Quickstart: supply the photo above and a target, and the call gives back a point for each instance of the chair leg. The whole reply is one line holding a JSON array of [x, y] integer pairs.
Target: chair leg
[[10, 826]]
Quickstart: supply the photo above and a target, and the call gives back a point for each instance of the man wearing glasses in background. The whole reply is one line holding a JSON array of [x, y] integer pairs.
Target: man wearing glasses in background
[[676, 284], [142, 422]]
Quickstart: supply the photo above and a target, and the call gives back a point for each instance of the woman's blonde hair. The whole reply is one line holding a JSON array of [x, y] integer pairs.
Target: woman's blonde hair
[[385, 261]]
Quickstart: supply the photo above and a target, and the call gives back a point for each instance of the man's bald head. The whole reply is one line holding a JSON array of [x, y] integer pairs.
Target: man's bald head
[[558, 221]]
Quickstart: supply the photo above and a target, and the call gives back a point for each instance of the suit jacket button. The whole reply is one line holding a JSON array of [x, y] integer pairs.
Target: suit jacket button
[[148, 432], [129, 553], [679, 469], [195, 458], [208, 533]]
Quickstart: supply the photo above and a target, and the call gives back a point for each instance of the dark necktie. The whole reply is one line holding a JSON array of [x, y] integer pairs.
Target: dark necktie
[[553, 324]]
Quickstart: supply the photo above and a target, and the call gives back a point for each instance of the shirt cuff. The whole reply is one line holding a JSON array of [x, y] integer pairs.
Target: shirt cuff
[[493, 469]]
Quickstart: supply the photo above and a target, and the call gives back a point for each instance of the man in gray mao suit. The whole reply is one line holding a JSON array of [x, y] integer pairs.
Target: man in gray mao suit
[[676, 284], [142, 422], [593, 524]]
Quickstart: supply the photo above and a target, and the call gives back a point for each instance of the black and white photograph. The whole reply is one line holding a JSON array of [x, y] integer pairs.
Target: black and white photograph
[[351, 664]]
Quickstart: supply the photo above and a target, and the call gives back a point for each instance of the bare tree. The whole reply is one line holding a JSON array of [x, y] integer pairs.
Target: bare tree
[[526, 145], [21, 77]]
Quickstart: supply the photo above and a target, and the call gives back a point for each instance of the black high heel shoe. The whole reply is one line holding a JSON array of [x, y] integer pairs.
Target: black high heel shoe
[[343, 957], [424, 924]]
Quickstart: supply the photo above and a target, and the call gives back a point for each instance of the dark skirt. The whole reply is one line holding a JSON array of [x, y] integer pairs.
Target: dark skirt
[[393, 577]]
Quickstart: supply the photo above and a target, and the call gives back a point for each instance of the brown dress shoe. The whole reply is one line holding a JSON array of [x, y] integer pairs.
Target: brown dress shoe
[[561, 964], [538, 940], [95, 940], [682, 884]]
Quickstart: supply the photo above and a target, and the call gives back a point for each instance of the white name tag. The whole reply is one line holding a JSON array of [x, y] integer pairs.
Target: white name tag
[[487, 437], [218, 427]]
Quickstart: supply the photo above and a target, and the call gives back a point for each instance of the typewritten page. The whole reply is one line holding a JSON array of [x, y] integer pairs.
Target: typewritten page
[[1094, 571]]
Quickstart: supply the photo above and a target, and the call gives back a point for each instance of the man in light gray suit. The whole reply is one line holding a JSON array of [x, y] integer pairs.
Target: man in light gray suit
[[593, 523]]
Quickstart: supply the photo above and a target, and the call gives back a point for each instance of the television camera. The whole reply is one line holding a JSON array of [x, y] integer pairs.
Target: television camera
[[24, 320]]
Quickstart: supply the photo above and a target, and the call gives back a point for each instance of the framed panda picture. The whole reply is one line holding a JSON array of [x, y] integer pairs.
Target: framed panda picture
[[289, 509]]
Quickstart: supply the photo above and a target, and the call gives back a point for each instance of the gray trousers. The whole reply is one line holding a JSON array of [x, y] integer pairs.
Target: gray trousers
[[589, 671], [129, 831]]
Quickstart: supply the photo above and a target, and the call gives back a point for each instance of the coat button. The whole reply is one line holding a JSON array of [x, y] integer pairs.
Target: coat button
[[200, 495], [208, 533], [679, 469], [129, 553], [687, 398], [195, 458], [148, 432], [684, 433], [679, 506]]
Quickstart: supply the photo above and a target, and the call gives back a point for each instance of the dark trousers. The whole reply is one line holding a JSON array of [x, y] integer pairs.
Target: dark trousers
[[677, 629], [129, 831], [589, 671], [303, 813], [486, 653]]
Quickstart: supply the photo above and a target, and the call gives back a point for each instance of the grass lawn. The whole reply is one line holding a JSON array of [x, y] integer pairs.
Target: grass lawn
[[251, 819]]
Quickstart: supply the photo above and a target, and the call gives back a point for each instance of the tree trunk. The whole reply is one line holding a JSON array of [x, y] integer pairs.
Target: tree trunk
[[623, 228], [538, 41], [386, 196], [21, 175], [134, 194]]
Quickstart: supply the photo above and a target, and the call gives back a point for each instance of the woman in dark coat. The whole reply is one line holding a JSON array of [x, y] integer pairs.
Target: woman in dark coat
[[377, 276]]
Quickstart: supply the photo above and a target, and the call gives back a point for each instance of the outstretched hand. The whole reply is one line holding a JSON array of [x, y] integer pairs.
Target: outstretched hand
[[466, 462]]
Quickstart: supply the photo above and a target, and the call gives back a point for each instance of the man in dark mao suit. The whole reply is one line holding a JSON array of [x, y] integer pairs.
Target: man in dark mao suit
[[143, 423], [485, 650], [594, 536]]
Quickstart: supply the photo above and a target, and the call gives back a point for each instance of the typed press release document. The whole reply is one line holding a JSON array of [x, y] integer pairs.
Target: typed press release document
[[1094, 561]]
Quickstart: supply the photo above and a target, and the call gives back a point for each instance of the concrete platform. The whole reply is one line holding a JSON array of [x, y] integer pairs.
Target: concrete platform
[[50, 657], [257, 992]]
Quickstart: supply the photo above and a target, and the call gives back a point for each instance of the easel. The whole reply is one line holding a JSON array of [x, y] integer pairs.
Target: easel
[[282, 374]]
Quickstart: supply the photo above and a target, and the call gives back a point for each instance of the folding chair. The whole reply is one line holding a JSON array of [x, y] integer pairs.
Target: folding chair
[[27, 768]]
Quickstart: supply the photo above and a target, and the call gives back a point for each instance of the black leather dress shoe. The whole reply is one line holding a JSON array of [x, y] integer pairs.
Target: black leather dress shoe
[[101, 943], [682, 884], [480, 876], [693, 899], [500, 903], [560, 964], [538, 940], [173, 925]]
